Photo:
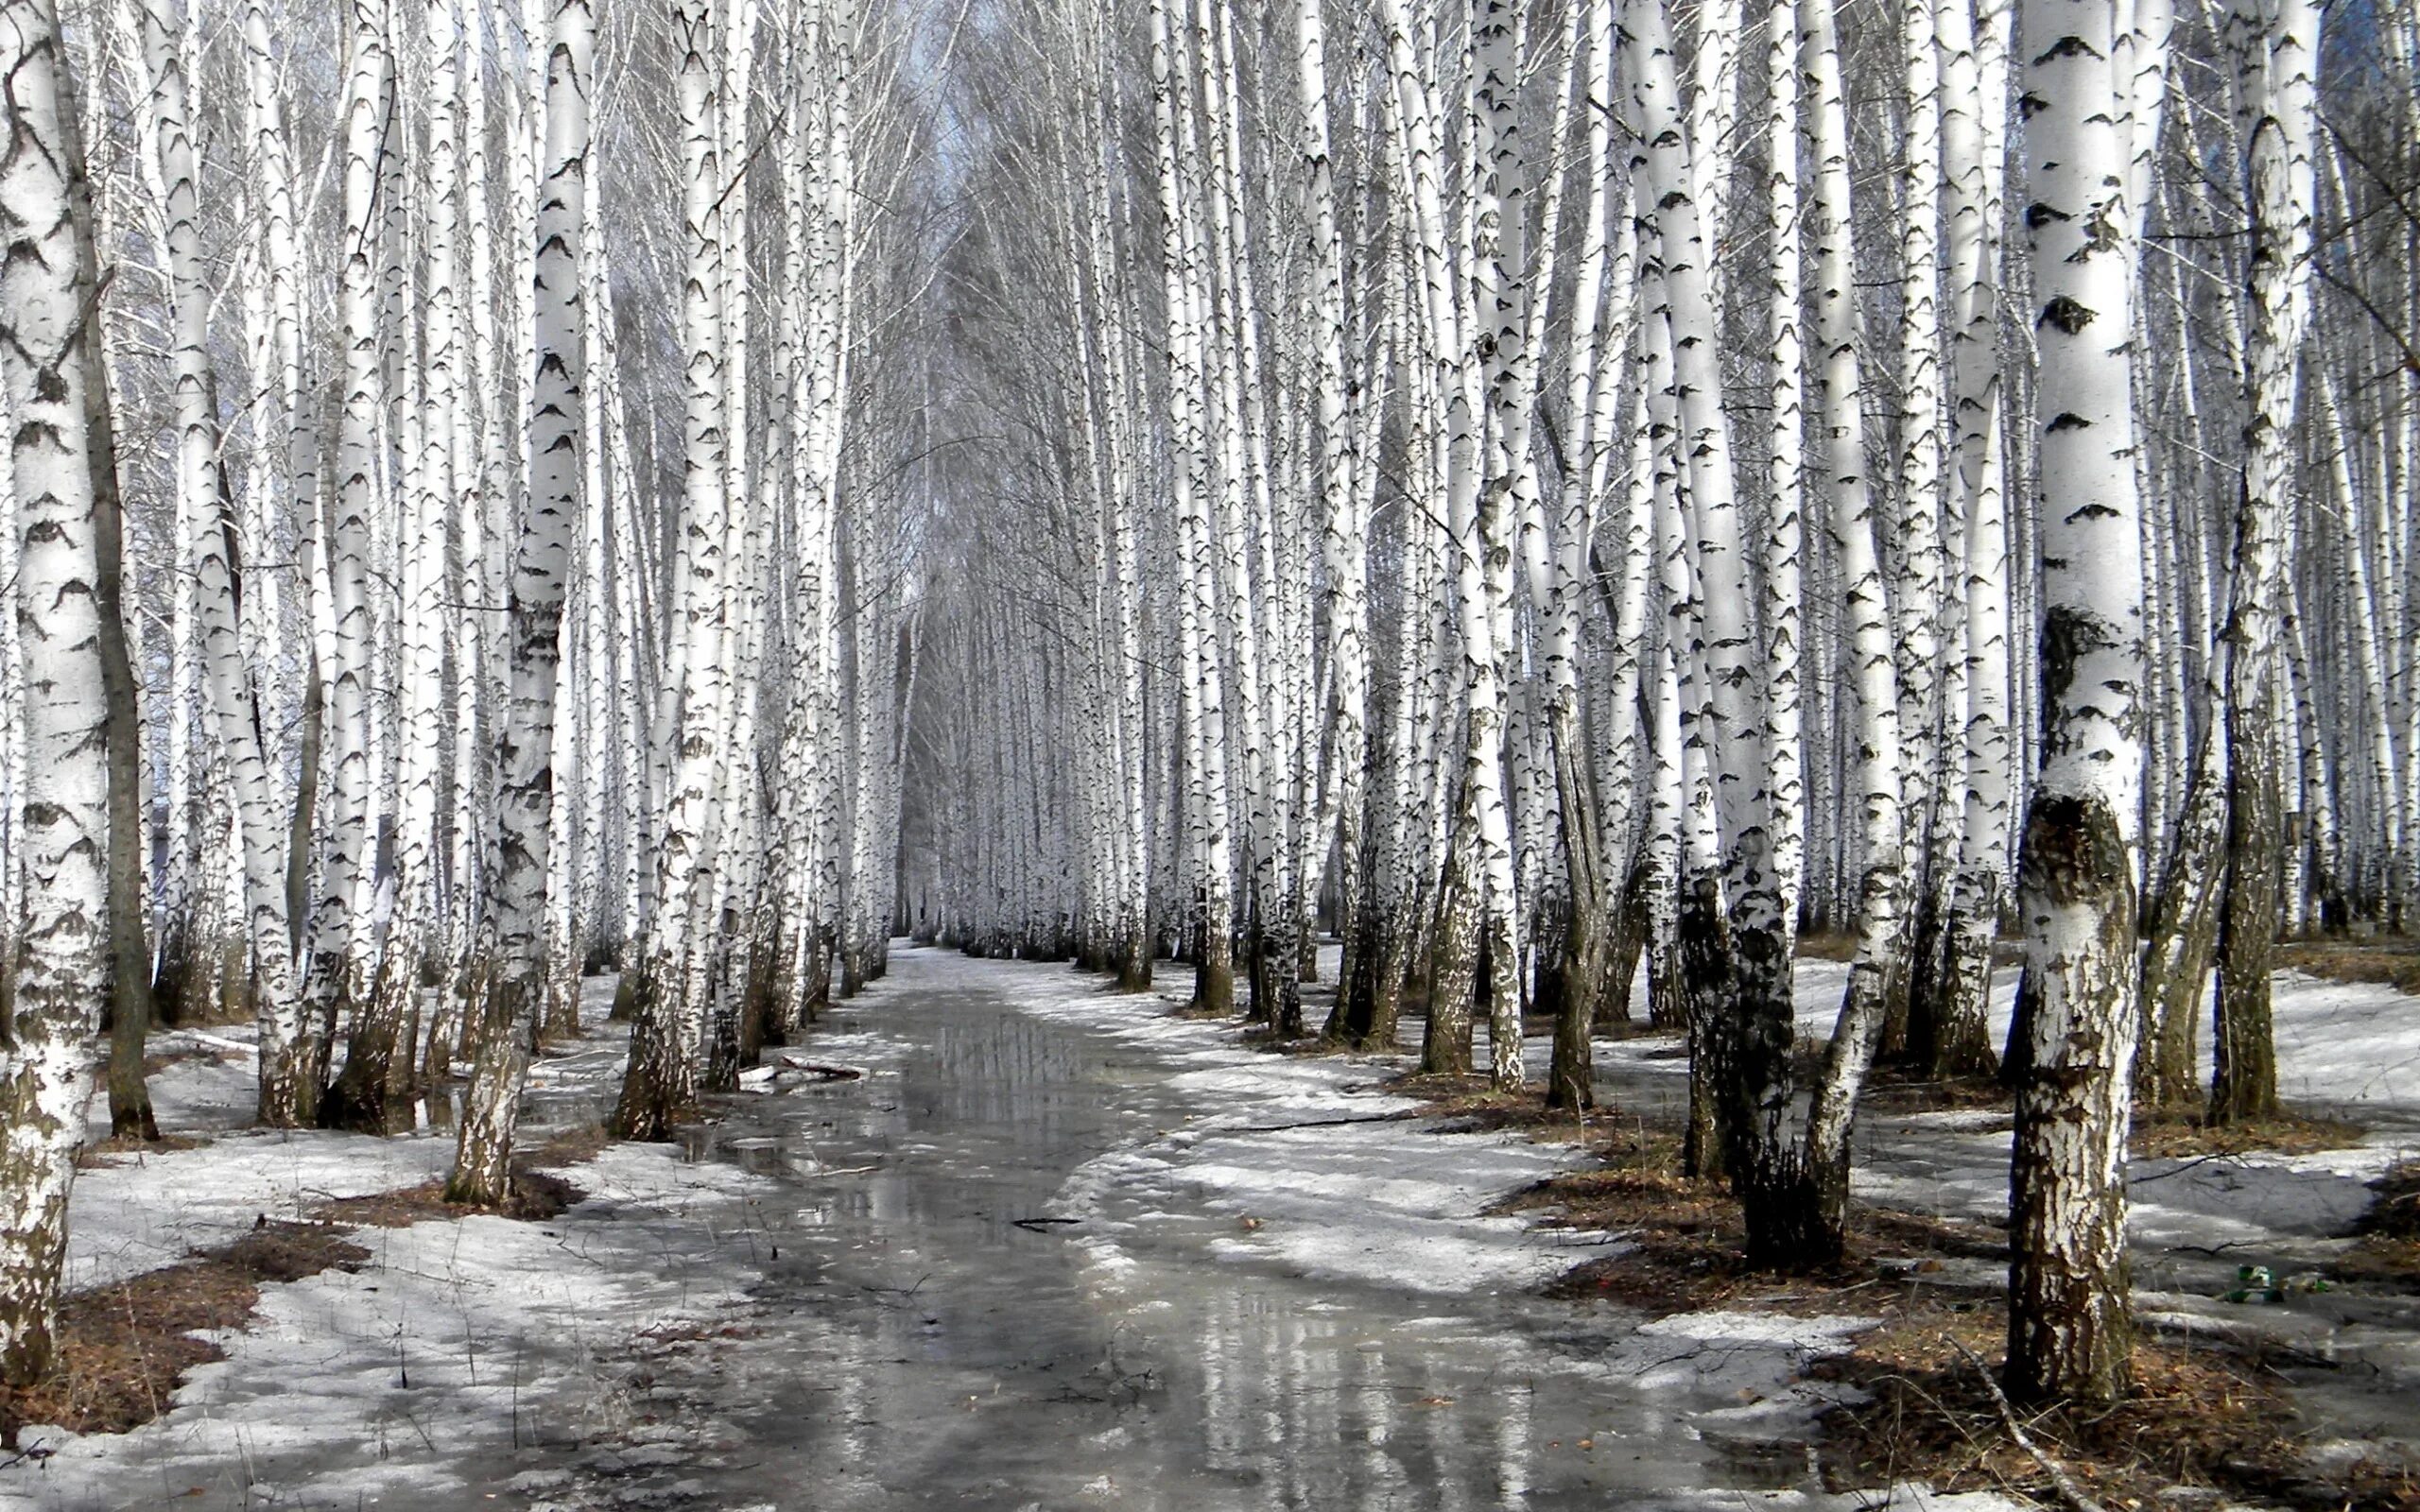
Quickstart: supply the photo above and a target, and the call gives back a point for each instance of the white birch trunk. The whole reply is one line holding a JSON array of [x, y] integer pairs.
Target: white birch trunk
[[660, 1088], [2078, 887], [542, 560], [47, 364], [339, 910]]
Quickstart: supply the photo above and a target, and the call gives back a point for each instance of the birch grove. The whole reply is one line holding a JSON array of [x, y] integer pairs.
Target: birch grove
[[1577, 506]]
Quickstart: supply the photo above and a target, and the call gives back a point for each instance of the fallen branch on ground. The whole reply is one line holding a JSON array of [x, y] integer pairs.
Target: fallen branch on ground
[[827, 1072], [2069, 1492]]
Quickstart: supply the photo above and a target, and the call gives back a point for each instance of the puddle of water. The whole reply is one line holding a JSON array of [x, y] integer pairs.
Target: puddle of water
[[932, 1334]]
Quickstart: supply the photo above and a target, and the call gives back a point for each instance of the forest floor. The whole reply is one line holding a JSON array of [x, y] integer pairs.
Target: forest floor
[[2277, 1265], [1059, 1247]]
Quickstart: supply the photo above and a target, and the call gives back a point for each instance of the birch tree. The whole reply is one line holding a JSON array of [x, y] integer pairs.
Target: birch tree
[[333, 982], [660, 1088], [2078, 887], [50, 368], [482, 1161], [2277, 64]]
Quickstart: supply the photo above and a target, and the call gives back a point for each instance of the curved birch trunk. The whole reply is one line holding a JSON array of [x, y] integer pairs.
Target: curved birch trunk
[[2278, 49], [1591, 379], [1204, 703], [1799, 1214], [1974, 46], [1344, 527], [1732, 906]]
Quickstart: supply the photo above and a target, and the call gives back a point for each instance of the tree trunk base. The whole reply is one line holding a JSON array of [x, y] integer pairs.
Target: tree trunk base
[[1796, 1214]]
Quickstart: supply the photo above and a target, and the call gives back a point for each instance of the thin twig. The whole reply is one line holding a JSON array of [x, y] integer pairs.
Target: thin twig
[[2073, 1494]]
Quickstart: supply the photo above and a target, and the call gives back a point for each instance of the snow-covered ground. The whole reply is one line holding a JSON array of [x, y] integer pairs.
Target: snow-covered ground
[[458, 1342], [416, 1378], [408, 1382]]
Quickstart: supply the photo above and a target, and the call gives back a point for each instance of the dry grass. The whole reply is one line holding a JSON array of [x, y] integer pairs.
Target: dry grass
[[2182, 1135], [577, 1144], [2387, 1252], [1840, 945], [2396, 1214], [538, 1194], [160, 1060], [536, 1197], [1313, 1045], [2392, 962], [1889, 1090], [1827, 945], [2196, 1418], [1470, 1104], [2380, 1262], [117, 1148], [1687, 1247], [123, 1348]]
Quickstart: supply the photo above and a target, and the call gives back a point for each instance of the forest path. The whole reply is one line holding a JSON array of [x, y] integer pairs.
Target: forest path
[[1030, 1262]]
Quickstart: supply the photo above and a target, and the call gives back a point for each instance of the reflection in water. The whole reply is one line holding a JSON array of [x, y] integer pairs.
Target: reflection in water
[[919, 1348]]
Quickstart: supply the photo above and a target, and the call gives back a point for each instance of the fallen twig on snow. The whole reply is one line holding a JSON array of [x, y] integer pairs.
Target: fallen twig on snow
[[1310, 1123], [827, 1072]]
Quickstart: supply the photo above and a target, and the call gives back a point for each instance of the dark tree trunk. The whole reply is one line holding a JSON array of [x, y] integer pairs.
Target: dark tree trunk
[[1707, 979], [1284, 971], [308, 1070], [2182, 929], [1580, 964], [1571, 1076], [819, 974], [482, 1173], [1135, 959], [724, 1012], [1214, 974], [1796, 1211], [1260, 984], [2243, 1087], [1927, 975], [760, 1015], [1453, 971], [130, 1115], [1627, 945], [651, 1106], [1965, 1047], [356, 1099]]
